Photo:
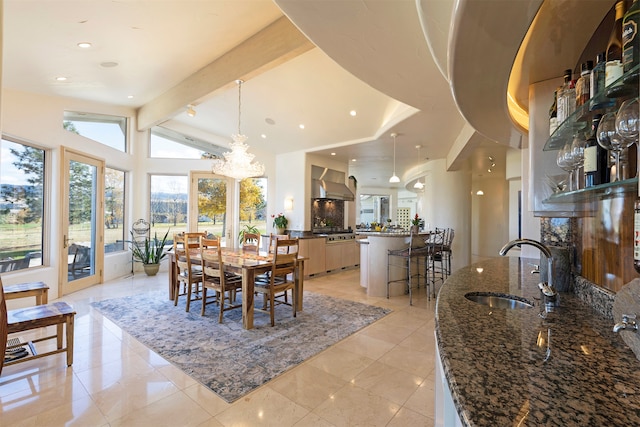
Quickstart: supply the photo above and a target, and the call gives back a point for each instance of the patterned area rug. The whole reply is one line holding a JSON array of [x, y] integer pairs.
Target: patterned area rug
[[224, 357]]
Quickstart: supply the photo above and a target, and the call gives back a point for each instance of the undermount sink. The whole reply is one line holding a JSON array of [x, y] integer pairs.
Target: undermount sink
[[497, 300]]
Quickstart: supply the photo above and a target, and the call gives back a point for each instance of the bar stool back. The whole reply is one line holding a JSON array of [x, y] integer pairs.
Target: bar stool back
[[416, 252]]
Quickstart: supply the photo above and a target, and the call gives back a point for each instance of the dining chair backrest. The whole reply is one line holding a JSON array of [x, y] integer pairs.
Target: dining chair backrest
[[285, 257], [273, 238], [192, 239], [251, 242], [211, 256]]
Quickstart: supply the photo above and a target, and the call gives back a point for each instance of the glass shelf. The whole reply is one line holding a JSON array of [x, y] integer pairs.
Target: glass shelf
[[581, 118], [597, 192]]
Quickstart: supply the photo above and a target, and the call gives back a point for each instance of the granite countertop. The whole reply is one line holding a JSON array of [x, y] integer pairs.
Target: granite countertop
[[580, 374]]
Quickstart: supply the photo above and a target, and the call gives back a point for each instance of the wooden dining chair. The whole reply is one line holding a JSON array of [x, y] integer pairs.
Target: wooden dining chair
[[281, 276], [251, 243], [187, 273], [273, 238], [215, 278]]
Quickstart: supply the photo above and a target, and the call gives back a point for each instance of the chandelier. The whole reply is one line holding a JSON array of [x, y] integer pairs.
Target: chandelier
[[238, 163]]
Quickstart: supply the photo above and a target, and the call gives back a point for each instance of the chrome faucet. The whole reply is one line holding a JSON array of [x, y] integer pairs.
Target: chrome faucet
[[628, 322], [547, 288]]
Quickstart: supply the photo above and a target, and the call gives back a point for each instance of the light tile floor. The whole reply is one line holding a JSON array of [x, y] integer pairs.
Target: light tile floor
[[382, 375]]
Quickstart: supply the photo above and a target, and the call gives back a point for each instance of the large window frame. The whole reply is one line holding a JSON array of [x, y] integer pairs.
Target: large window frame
[[99, 127], [14, 259]]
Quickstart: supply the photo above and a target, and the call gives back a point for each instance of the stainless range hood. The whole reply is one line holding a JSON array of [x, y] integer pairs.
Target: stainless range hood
[[321, 189]]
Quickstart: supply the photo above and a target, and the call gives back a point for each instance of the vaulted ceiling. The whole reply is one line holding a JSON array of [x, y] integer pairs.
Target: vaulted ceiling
[[159, 56]]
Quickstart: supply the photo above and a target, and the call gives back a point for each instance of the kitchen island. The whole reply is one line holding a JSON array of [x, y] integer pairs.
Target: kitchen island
[[373, 268], [528, 367]]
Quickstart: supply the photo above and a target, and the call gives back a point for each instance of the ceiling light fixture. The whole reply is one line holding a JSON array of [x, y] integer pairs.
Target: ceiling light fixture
[[190, 111], [418, 185], [394, 179], [84, 45], [237, 163]]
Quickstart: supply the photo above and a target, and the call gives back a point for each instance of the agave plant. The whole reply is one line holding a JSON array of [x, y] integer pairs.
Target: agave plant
[[150, 250]]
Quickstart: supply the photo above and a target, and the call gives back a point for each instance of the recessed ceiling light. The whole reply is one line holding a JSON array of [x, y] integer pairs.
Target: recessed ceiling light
[[84, 45], [264, 136], [301, 126], [354, 160], [353, 113], [130, 96], [333, 154], [108, 64], [61, 78]]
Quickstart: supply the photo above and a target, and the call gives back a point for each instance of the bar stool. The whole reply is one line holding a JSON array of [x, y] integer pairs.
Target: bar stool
[[435, 269], [417, 252]]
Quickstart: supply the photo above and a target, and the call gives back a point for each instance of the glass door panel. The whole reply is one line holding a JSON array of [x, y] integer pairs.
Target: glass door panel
[[82, 248], [210, 207]]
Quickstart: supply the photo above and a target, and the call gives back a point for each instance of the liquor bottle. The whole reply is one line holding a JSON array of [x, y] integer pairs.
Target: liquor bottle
[[613, 69], [630, 38], [566, 97], [553, 113], [636, 235], [596, 158], [596, 91], [583, 85]]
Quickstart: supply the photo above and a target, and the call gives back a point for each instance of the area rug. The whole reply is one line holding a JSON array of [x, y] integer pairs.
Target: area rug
[[226, 358]]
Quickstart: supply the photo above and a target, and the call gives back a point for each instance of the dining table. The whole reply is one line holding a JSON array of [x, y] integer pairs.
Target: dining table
[[249, 265]]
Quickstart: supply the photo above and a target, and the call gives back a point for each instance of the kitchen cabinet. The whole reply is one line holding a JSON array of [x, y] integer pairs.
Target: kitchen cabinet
[[341, 255], [314, 251]]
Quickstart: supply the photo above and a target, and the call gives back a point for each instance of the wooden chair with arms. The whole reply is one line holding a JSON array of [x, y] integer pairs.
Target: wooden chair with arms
[[281, 276], [215, 278]]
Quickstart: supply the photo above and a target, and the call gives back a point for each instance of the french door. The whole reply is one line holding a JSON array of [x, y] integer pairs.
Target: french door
[[81, 223], [212, 205]]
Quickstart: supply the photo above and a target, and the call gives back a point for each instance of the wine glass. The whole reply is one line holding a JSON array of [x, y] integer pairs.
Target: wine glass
[[577, 154], [609, 139], [565, 162], [627, 120]]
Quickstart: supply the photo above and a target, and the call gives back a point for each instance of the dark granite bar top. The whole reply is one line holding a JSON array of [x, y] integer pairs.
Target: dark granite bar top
[[530, 367]]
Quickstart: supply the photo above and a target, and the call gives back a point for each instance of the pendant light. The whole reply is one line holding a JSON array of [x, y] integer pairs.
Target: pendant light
[[418, 185], [238, 163], [394, 179]]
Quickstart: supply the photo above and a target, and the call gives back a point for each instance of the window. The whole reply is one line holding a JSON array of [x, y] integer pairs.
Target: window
[[114, 233], [168, 144], [253, 204], [108, 130], [169, 200], [22, 171]]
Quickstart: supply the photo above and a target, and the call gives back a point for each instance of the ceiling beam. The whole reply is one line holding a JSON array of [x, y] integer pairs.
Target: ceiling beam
[[275, 44]]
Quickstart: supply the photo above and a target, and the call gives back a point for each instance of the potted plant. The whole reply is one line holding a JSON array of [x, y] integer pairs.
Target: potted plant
[[280, 223], [149, 252], [248, 228], [416, 223]]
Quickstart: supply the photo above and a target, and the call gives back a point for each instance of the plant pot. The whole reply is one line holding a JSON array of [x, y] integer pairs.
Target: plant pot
[[415, 229], [280, 230], [151, 269]]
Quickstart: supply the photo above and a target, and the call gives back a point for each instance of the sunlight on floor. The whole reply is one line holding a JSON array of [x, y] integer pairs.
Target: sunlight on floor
[[382, 375]]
